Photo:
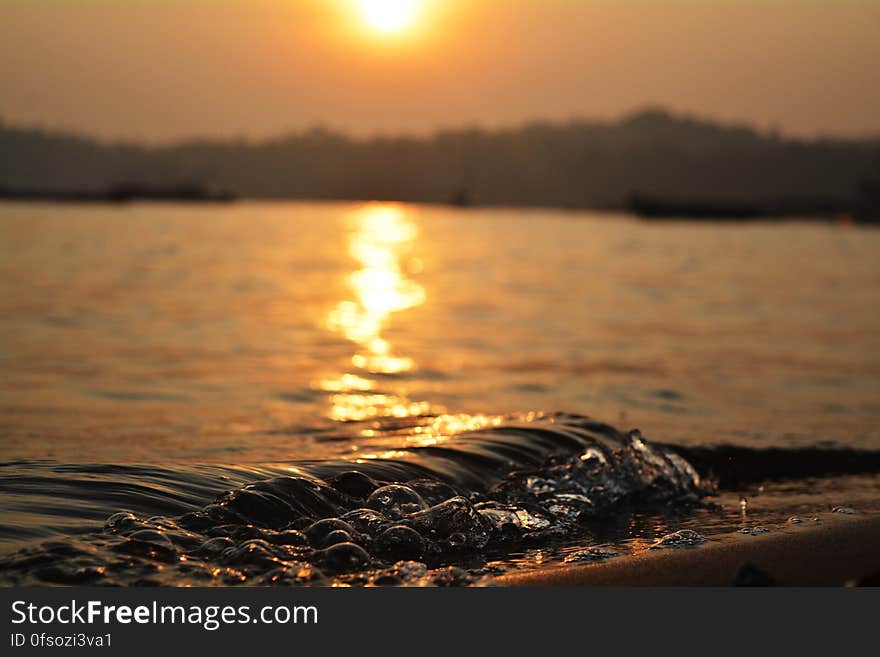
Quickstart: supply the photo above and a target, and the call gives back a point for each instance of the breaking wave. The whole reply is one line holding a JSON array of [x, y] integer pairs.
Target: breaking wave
[[424, 515]]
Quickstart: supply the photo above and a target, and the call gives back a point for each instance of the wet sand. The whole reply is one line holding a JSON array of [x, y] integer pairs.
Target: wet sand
[[839, 551]]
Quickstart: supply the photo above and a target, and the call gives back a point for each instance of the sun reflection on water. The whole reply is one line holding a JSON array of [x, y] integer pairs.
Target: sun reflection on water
[[381, 242], [384, 237]]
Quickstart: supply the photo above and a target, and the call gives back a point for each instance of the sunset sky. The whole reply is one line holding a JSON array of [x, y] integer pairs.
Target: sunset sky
[[167, 69]]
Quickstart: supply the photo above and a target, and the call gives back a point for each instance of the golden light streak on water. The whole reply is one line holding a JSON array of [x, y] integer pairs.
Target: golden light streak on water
[[381, 242], [347, 382]]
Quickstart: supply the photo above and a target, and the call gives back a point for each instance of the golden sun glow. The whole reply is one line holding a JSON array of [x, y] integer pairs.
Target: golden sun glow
[[380, 242], [383, 236], [389, 15]]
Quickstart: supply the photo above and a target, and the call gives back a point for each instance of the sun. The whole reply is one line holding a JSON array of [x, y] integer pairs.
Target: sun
[[388, 15]]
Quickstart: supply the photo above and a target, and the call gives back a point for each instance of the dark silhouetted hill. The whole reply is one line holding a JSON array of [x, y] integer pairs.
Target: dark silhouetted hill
[[651, 154]]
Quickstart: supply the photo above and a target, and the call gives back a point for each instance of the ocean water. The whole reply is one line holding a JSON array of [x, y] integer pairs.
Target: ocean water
[[156, 357]]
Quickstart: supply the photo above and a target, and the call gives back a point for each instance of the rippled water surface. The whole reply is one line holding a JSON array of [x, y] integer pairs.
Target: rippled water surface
[[156, 356]]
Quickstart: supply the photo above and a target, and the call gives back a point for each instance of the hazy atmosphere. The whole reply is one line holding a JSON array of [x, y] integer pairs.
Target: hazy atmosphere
[[441, 293], [163, 70]]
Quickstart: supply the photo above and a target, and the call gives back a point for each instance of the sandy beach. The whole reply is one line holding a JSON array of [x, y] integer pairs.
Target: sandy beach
[[843, 551]]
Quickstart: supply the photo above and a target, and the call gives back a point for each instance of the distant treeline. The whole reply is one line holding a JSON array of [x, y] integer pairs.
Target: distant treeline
[[649, 155]]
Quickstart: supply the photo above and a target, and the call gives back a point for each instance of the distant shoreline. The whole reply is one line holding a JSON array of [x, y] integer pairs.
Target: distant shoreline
[[652, 210], [673, 165], [118, 194], [865, 209]]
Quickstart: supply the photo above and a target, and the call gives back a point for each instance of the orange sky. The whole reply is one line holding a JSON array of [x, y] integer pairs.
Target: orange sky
[[164, 69]]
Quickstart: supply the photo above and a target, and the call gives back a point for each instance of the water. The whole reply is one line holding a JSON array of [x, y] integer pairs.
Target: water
[[157, 356]]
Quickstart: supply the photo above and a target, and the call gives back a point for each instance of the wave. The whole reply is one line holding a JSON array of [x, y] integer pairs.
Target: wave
[[425, 514]]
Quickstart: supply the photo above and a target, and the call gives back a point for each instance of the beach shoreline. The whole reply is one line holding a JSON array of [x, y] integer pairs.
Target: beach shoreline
[[840, 552]]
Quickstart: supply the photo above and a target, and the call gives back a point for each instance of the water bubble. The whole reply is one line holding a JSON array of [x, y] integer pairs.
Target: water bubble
[[258, 506], [337, 536], [255, 552], [342, 558], [396, 501], [153, 537], [591, 554], [454, 519], [683, 538], [366, 521], [400, 543], [122, 522], [215, 546], [353, 483], [318, 531], [502, 516], [568, 505]]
